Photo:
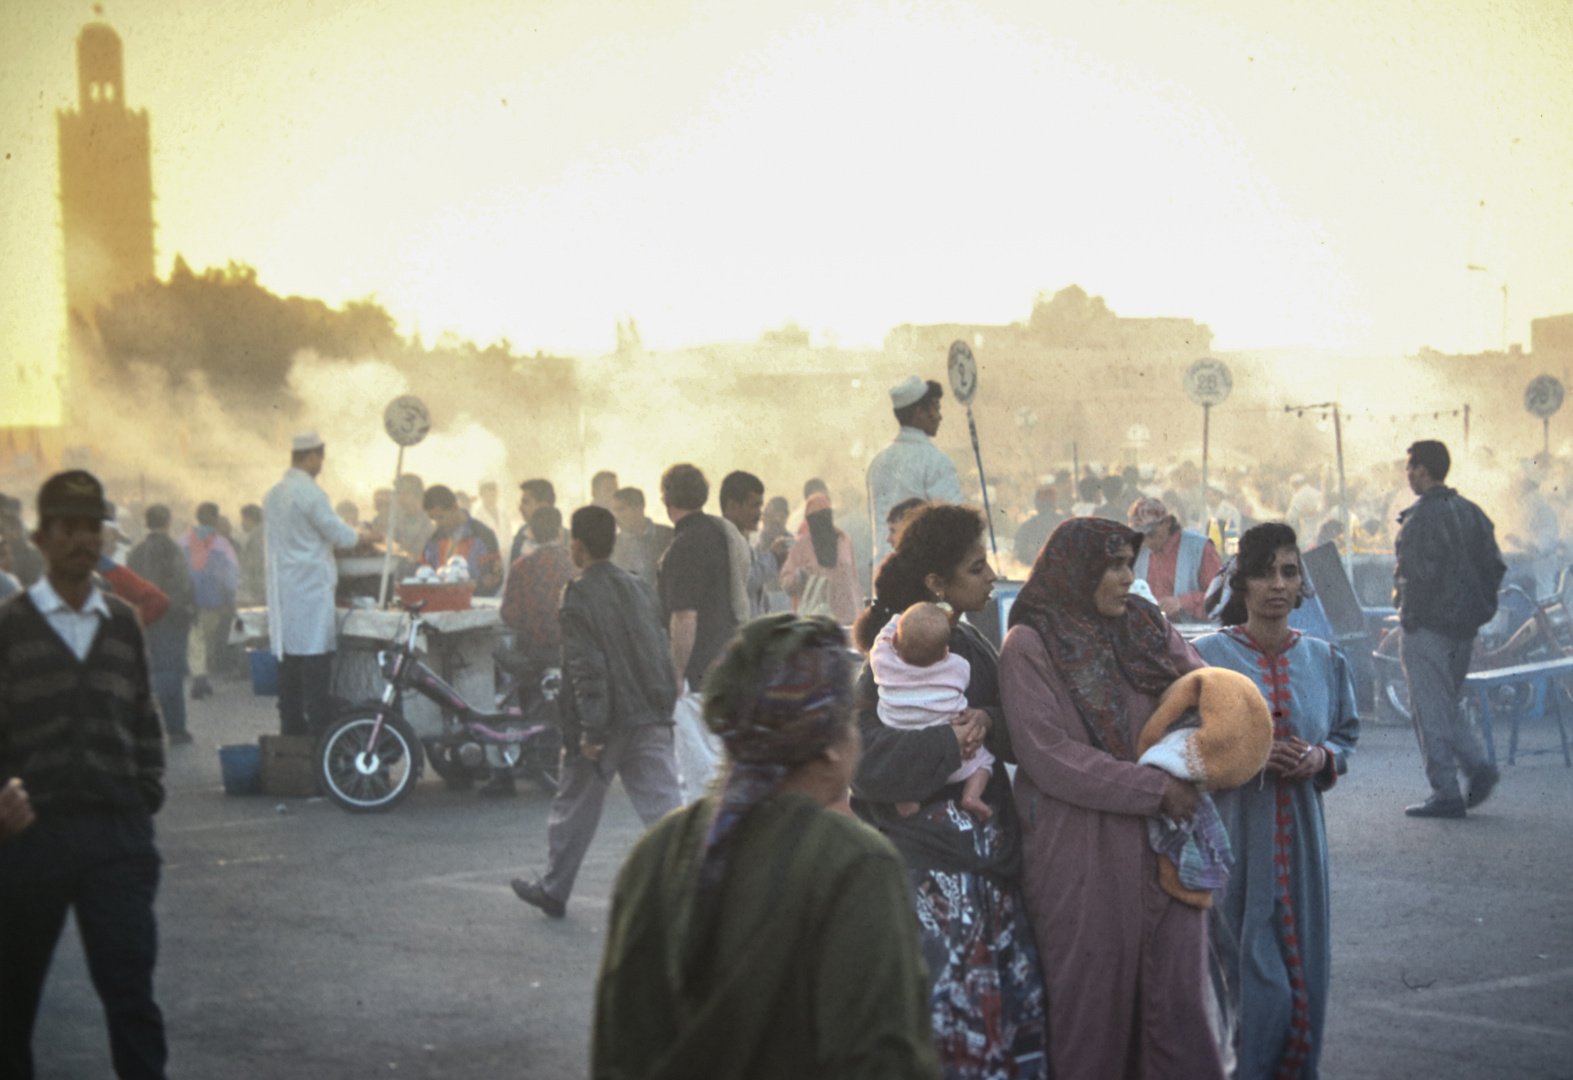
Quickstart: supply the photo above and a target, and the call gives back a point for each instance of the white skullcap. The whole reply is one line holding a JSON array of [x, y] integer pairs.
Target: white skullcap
[[908, 391], [306, 440]]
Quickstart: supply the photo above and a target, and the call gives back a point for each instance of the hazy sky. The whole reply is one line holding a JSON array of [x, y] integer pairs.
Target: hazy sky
[[1315, 173]]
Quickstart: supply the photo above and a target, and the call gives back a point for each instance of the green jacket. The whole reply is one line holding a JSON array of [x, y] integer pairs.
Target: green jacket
[[814, 969]]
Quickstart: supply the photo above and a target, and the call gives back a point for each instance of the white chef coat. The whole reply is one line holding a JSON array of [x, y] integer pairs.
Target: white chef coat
[[911, 467], [300, 532]]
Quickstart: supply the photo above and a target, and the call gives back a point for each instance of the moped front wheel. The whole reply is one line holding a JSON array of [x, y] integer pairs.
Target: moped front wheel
[[363, 777]]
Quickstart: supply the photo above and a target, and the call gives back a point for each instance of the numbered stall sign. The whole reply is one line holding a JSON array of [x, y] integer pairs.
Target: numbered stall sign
[[1543, 396], [406, 420], [1208, 382]]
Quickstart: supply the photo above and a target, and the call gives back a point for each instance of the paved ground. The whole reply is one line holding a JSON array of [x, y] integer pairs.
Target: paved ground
[[302, 942]]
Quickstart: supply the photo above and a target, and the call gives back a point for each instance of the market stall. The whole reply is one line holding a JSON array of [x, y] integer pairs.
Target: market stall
[[460, 651]]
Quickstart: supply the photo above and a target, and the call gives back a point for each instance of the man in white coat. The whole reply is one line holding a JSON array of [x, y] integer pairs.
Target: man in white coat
[[302, 531], [911, 466]]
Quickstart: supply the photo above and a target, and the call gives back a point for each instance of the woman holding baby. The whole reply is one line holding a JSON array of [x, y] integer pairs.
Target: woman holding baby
[[1081, 670], [932, 779]]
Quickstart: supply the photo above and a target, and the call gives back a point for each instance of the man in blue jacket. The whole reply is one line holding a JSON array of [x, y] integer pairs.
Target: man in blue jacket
[[1445, 586]]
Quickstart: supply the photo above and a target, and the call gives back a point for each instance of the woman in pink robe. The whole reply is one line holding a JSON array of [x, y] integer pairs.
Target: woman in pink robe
[[1124, 963]]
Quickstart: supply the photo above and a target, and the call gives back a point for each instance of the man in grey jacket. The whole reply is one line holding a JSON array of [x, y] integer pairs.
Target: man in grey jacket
[[619, 688], [1445, 585]]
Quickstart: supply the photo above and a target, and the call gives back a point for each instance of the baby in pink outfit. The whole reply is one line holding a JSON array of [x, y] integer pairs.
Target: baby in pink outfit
[[922, 684]]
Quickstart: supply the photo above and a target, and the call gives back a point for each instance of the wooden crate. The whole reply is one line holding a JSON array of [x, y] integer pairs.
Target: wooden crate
[[289, 765]]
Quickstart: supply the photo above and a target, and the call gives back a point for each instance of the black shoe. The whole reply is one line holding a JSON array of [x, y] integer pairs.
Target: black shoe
[[200, 688], [1435, 807], [1481, 783], [532, 893], [180, 738], [498, 787]]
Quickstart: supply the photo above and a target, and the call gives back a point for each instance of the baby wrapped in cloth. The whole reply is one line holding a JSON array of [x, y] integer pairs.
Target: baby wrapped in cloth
[[1212, 728], [923, 684]]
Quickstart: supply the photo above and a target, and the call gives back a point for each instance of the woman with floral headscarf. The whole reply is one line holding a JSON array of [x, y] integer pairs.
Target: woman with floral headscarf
[[1124, 963], [821, 572], [758, 933]]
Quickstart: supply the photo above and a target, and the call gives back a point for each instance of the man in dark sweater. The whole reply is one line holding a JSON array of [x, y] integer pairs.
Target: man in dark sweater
[[618, 691], [78, 728], [1445, 586]]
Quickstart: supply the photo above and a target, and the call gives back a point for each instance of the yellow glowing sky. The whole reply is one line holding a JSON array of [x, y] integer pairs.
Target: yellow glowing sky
[[1289, 173]]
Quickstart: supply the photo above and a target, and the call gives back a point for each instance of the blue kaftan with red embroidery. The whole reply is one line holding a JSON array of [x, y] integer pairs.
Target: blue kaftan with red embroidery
[[1271, 927]]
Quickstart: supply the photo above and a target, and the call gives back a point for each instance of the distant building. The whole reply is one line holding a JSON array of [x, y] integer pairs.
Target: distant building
[[1068, 322], [1083, 372], [106, 181], [1552, 336]]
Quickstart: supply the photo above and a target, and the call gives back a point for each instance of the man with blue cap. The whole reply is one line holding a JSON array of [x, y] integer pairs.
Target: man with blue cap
[[912, 467]]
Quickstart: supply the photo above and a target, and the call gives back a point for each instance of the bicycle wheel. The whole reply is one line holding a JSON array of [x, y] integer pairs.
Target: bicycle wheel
[[363, 778]]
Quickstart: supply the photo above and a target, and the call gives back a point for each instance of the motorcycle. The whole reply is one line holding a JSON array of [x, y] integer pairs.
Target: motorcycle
[[1524, 631], [370, 758]]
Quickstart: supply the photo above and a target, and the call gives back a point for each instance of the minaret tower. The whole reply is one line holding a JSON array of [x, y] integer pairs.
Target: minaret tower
[[106, 181]]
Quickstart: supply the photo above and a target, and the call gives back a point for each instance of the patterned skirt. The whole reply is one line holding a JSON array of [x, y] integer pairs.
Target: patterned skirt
[[987, 997]]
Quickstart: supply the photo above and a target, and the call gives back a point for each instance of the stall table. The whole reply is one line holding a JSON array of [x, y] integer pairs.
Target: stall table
[[460, 651]]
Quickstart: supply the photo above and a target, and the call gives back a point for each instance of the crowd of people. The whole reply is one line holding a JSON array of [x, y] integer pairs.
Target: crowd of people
[[1088, 912]]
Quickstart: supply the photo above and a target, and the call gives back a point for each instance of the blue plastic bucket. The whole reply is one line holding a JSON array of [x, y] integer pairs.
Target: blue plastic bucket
[[242, 768], [264, 672]]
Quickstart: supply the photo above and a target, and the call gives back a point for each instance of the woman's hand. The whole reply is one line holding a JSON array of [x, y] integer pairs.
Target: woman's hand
[[1180, 798], [1296, 760], [971, 728]]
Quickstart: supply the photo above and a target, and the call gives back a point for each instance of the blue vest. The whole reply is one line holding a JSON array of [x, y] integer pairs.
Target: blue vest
[[1187, 567]]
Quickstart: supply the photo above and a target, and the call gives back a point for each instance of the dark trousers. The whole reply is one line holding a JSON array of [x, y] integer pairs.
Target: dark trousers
[[104, 866], [645, 760], [304, 702], [1435, 666], [169, 688]]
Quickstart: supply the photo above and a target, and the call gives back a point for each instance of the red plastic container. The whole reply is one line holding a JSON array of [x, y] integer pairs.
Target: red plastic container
[[449, 596]]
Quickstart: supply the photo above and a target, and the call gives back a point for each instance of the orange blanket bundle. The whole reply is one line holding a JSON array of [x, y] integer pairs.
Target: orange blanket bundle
[[1211, 727]]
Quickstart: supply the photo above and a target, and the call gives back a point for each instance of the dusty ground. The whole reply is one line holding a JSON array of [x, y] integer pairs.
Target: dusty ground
[[299, 941]]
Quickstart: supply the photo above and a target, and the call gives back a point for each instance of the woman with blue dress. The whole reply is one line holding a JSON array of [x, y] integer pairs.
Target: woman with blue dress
[[1271, 926]]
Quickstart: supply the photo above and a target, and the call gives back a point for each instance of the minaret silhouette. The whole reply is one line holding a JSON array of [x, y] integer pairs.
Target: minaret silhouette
[[106, 181]]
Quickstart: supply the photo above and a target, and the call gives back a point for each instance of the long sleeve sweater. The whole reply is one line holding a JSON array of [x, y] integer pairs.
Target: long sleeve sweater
[[81, 734]]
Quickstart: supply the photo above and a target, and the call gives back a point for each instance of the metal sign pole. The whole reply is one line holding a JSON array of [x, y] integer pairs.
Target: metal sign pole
[[407, 421], [1207, 382], [1543, 397], [963, 371], [983, 482], [873, 532], [1207, 415], [1343, 492], [393, 530]]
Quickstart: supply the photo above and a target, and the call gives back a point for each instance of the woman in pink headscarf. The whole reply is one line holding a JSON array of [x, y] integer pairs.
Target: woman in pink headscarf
[[821, 575], [1124, 963]]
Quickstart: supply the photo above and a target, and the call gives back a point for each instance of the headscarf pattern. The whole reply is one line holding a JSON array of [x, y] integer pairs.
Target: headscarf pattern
[[1095, 653], [780, 696]]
